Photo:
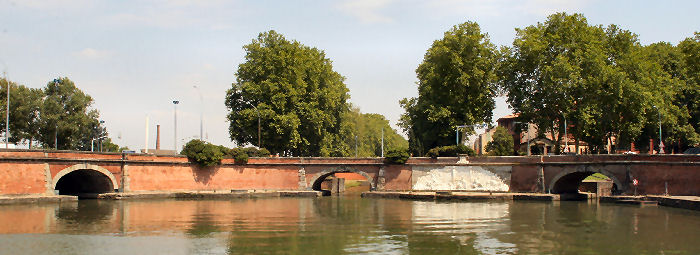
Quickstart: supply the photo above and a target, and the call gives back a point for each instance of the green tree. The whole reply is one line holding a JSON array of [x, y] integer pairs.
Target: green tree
[[689, 96], [25, 104], [368, 128], [66, 116], [456, 86], [502, 143], [296, 94], [596, 78]]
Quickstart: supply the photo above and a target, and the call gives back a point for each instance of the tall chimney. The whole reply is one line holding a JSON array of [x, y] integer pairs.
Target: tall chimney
[[157, 137]]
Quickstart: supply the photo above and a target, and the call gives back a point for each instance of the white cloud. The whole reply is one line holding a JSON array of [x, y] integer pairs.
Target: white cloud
[[214, 15], [367, 11], [93, 53], [497, 8]]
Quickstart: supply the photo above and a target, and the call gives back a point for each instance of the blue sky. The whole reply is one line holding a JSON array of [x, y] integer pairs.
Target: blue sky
[[135, 57]]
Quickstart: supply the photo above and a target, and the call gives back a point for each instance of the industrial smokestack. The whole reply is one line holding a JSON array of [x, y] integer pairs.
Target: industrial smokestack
[[157, 137]]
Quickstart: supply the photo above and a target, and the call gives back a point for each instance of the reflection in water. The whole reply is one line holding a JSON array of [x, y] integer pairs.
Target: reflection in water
[[345, 225]]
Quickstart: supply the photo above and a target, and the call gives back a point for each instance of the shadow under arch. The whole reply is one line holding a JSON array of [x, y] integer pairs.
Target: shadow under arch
[[84, 178], [568, 181], [318, 178]]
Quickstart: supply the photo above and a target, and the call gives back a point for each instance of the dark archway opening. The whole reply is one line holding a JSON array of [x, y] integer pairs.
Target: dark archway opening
[[342, 182], [583, 185], [84, 183]]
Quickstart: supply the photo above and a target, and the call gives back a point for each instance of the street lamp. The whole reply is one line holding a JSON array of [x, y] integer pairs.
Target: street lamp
[[7, 115], [463, 126], [175, 102], [201, 113], [528, 135], [100, 139], [661, 143]]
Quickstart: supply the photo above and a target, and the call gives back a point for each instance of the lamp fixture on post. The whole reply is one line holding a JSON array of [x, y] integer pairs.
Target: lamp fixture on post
[[661, 141], [175, 102]]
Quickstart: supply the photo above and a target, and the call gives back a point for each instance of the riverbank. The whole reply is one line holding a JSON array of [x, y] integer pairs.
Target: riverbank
[[26, 199], [449, 195], [684, 202], [232, 194]]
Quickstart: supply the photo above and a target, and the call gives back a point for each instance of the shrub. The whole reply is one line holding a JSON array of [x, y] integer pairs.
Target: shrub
[[240, 158], [396, 156], [204, 154], [502, 143], [450, 151], [255, 152]]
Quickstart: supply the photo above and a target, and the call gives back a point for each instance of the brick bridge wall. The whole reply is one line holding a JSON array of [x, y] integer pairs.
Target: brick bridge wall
[[37, 172]]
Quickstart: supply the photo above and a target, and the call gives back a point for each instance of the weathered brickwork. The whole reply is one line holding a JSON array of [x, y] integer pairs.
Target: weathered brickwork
[[37, 172]]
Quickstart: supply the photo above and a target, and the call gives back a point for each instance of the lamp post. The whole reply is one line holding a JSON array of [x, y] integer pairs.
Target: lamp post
[[99, 141], [382, 142], [566, 136], [55, 135], [528, 135], [463, 126], [7, 115], [661, 143], [201, 114], [175, 102]]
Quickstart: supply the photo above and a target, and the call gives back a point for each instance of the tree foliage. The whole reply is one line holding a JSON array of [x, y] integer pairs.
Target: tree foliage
[[396, 156], [60, 111], [25, 105], [295, 93], [450, 151], [66, 115], [456, 86], [368, 128], [597, 78], [502, 143]]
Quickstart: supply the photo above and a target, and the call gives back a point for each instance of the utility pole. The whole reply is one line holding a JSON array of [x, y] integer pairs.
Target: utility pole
[[382, 142], [7, 115], [661, 143], [356, 146], [175, 102]]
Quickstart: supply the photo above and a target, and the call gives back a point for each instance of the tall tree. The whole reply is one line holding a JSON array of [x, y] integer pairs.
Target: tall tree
[[295, 93], [502, 143], [368, 128], [595, 78], [25, 104], [456, 86], [689, 96], [66, 116]]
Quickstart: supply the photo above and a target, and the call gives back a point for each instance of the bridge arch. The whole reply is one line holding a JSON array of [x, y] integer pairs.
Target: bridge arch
[[568, 181], [318, 178], [84, 178]]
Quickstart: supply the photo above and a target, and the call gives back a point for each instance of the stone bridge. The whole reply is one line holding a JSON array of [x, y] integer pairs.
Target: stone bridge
[[24, 172]]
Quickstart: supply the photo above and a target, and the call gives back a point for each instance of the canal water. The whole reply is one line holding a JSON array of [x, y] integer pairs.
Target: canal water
[[345, 225]]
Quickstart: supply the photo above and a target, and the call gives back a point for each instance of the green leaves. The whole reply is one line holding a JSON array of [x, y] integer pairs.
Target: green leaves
[[59, 112], [295, 93], [456, 86], [502, 143], [204, 154]]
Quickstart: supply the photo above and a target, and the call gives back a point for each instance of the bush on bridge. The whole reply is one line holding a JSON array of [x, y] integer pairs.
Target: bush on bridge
[[241, 155], [203, 153], [396, 156], [450, 151]]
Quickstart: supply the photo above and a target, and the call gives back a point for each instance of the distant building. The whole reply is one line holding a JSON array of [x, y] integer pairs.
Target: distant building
[[521, 131]]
